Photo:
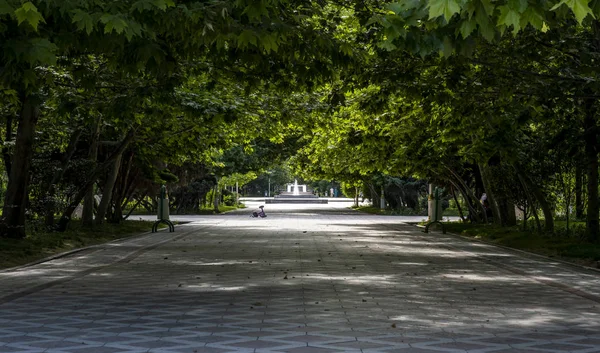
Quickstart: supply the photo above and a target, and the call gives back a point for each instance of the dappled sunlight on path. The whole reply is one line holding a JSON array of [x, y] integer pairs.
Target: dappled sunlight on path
[[327, 280]]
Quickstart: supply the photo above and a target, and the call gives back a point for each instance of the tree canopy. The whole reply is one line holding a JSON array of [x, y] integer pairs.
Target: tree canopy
[[107, 100]]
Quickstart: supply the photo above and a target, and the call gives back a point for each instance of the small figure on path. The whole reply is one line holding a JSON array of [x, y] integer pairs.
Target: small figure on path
[[260, 212]]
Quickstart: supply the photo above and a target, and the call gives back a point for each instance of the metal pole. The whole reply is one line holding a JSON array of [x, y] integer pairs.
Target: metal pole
[[269, 187], [237, 194]]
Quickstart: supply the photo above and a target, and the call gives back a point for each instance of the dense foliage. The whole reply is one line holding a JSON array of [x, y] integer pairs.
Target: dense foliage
[[103, 101]]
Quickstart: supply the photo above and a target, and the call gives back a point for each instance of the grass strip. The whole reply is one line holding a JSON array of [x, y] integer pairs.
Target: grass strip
[[389, 212], [572, 247], [38, 244]]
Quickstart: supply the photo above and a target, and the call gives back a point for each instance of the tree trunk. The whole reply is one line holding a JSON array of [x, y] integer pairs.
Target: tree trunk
[[491, 198], [472, 212], [375, 198], [591, 154], [15, 201], [136, 204], [509, 211], [121, 190], [91, 179], [216, 197], [578, 192], [107, 191], [460, 212], [529, 199], [87, 216], [49, 189], [590, 136], [525, 218], [5, 150], [470, 193], [541, 199]]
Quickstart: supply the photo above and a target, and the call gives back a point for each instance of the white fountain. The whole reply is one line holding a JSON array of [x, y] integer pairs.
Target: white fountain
[[293, 195]]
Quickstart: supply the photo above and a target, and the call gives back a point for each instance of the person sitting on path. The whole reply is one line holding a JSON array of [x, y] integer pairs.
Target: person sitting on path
[[260, 212]]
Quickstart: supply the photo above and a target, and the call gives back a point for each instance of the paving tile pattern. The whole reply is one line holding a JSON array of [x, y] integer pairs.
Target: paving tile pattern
[[299, 282]]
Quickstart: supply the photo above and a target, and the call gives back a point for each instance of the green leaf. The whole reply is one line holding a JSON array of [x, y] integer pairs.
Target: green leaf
[[83, 20], [269, 43], [400, 7], [247, 37], [518, 5], [579, 7], [447, 8], [581, 10], [488, 7], [29, 13], [29, 77], [113, 23], [486, 28], [447, 47], [595, 6], [509, 17], [533, 17], [396, 8], [387, 45], [5, 8], [148, 5], [467, 27], [160, 4], [41, 51], [142, 5], [133, 29], [347, 49]]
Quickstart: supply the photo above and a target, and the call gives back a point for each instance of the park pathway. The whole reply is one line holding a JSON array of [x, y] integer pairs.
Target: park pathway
[[301, 280]]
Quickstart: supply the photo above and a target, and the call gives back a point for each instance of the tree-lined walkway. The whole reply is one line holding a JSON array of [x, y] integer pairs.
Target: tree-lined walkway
[[305, 281]]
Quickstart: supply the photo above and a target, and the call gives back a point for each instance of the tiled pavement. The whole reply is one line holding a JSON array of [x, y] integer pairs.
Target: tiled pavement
[[299, 281]]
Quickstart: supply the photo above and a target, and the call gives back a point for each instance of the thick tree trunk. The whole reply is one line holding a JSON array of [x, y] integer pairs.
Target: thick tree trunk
[[15, 201], [578, 192], [491, 198], [121, 190], [107, 191], [510, 216], [87, 216], [591, 154]]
